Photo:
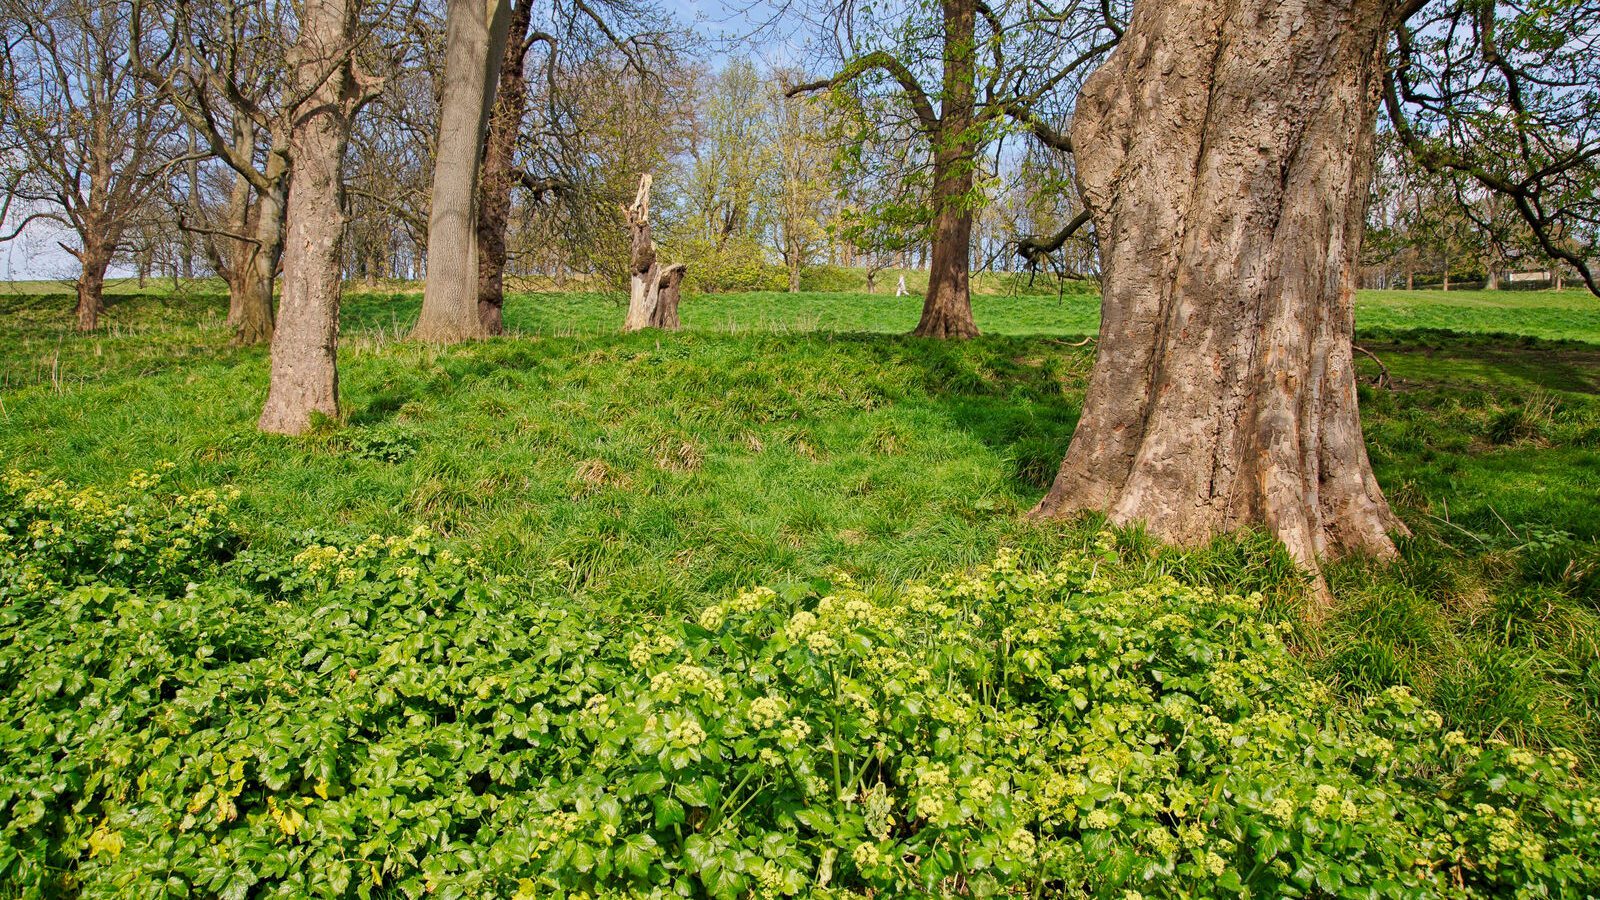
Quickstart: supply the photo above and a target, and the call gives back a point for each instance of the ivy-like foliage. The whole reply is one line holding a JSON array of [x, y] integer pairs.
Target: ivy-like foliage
[[379, 718]]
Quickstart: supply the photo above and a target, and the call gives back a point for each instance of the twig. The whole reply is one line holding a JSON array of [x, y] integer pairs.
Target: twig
[[1383, 380]]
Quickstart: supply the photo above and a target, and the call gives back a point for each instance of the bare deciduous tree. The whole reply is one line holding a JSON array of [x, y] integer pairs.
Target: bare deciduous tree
[[228, 81], [999, 64], [89, 143]]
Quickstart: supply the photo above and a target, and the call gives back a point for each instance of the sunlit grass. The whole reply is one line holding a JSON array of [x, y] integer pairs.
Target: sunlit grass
[[783, 436]]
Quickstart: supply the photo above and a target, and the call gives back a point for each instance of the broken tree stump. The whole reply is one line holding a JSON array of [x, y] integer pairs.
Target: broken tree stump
[[653, 290]]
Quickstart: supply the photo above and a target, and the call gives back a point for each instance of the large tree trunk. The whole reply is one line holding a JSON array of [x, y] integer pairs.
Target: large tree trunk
[[498, 176], [1224, 151], [947, 307], [305, 375], [475, 39], [92, 284]]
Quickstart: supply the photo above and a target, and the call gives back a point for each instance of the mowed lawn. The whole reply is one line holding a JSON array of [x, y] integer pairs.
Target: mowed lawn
[[780, 437]]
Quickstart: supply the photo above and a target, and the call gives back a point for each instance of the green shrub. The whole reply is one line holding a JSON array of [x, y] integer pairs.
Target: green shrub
[[139, 538], [379, 717], [824, 277], [734, 265]]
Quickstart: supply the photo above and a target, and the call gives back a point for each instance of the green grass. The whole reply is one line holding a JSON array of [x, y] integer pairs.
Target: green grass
[[1552, 315], [780, 436]]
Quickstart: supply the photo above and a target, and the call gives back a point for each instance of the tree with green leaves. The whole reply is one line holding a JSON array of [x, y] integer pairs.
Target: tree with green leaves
[[958, 80], [798, 186], [1504, 98]]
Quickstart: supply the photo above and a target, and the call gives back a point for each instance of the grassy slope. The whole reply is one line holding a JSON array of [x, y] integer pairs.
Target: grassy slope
[[649, 471]]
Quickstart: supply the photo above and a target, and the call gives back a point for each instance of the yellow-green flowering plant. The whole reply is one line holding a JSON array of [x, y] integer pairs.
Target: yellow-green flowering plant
[[380, 718]]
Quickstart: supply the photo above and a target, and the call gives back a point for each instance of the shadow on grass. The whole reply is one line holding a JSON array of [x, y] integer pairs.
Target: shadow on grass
[[1433, 356], [1019, 396]]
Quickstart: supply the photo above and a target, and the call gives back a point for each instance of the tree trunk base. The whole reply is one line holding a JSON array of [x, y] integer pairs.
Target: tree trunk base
[[946, 321], [91, 295], [88, 314], [1224, 152], [250, 314], [434, 331], [491, 316]]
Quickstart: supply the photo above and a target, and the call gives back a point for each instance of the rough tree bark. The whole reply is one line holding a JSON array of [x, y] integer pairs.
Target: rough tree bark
[[653, 290], [947, 307], [230, 253], [95, 258], [305, 374], [1224, 151], [499, 175], [665, 315], [255, 322], [496, 179], [475, 40], [92, 289]]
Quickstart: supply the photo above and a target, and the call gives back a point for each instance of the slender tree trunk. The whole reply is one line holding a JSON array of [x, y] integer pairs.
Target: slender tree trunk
[[305, 375], [475, 39], [230, 257], [238, 267], [1224, 151], [253, 267], [497, 179], [255, 323], [192, 171], [947, 307]]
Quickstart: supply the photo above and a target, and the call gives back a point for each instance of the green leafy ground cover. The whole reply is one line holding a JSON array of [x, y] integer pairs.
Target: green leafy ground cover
[[644, 478], [383, 718]]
